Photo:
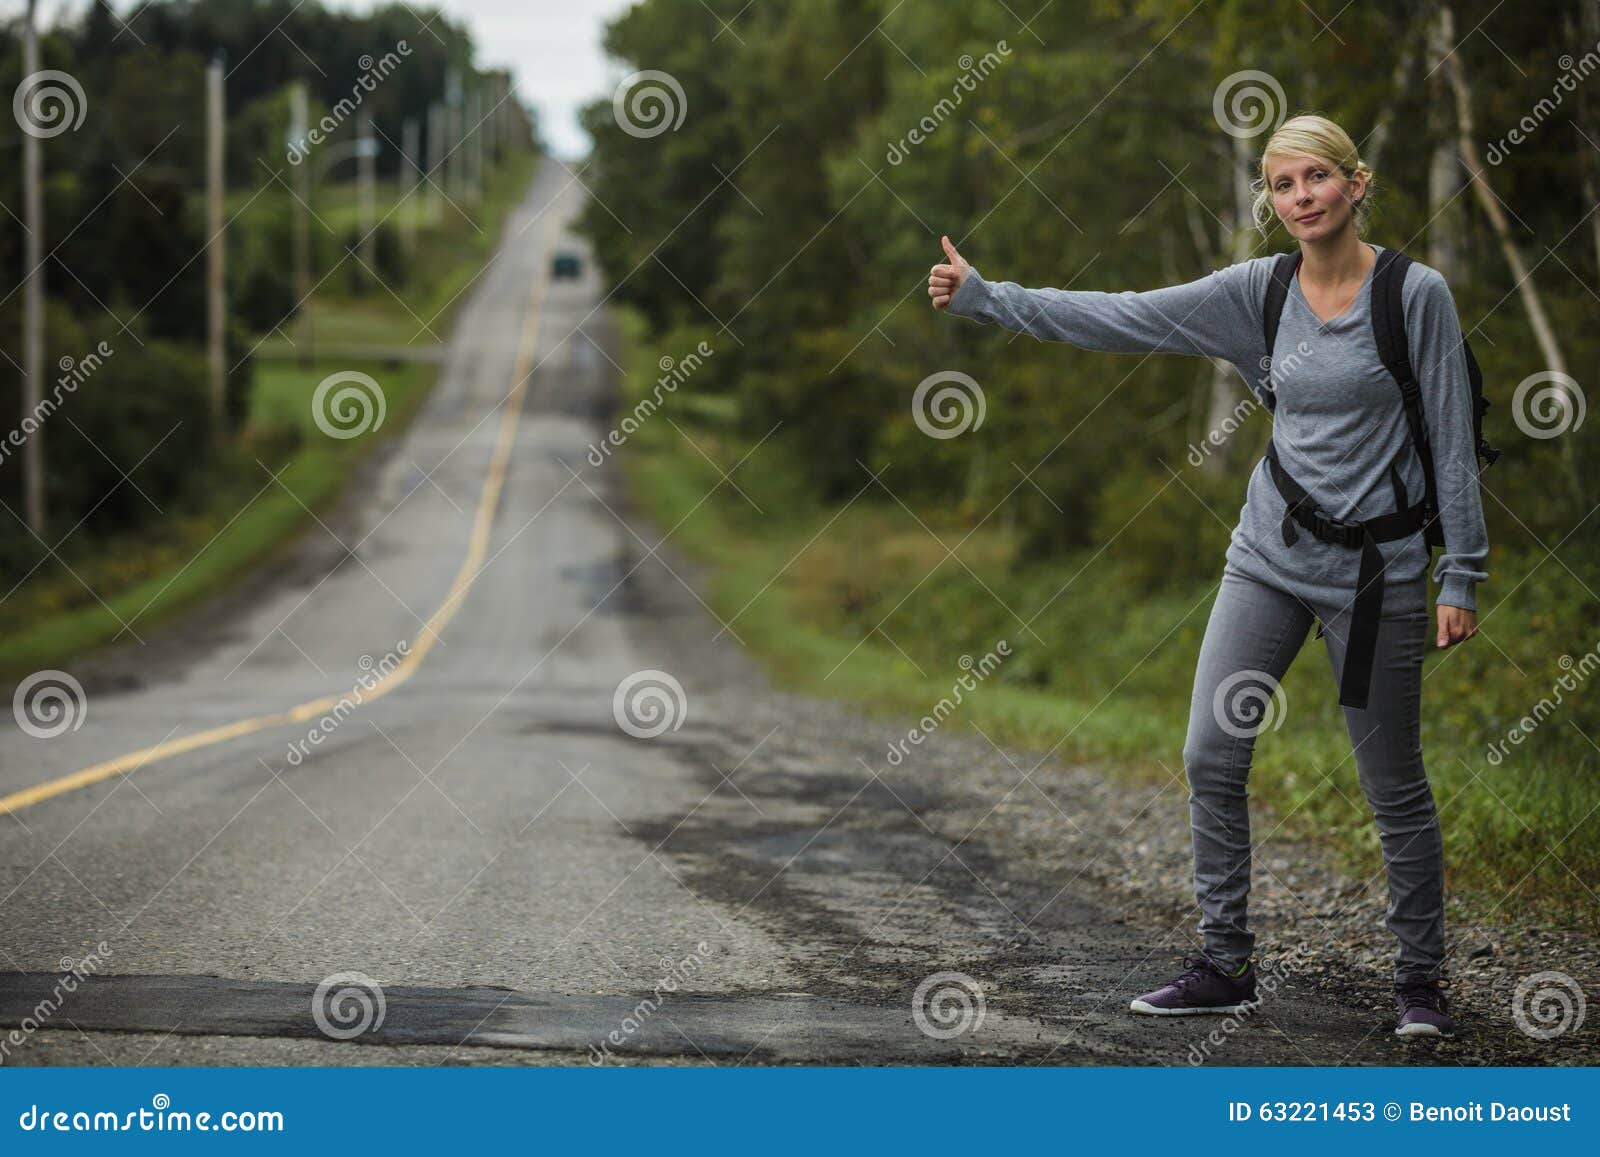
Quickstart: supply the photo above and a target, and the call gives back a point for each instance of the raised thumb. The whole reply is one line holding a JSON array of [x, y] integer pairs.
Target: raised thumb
[[950, 251]]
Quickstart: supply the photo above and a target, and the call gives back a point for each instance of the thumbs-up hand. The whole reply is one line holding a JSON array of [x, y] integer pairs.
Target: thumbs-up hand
[[944, 280]]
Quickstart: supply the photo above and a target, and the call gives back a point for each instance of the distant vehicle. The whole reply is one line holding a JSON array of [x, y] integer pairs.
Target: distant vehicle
[[566, 265]]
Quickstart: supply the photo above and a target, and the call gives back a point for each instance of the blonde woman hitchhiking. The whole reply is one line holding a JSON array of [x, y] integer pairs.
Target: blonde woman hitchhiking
[[1373, 460]]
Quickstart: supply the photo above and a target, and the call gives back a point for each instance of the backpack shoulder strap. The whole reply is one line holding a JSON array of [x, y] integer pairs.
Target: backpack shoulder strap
[[1389, 318], [1389, 333], [1283, 267]]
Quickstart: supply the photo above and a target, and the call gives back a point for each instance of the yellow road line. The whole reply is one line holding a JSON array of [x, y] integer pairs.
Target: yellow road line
[[482, 524]]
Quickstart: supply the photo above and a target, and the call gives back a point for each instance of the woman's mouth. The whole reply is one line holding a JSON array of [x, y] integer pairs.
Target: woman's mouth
[[1309, 217]]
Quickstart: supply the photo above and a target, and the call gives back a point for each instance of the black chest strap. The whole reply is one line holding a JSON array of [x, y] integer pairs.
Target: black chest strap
[[1300, 509]]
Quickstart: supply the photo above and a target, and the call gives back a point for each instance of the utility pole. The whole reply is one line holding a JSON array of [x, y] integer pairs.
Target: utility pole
[[475, 145], [435, 159], [216, 301], [491, 124], [453, 157], [32, 297], [410, 147], [367, 160], [302, 226]]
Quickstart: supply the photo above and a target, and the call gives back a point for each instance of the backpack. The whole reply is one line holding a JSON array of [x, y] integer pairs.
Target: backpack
[[1389, 331]]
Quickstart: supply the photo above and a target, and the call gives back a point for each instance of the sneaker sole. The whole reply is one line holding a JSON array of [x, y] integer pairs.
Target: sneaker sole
[[1149, 1009], [1422, 1030]]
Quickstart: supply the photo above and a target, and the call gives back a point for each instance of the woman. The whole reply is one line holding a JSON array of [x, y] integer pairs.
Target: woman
[[1340, 431]]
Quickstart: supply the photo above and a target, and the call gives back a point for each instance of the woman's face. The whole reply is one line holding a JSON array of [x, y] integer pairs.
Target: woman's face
[[1312, 197]]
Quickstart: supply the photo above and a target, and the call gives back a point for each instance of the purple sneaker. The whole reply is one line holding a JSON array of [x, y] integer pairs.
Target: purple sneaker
[[1203, 987], [1424, 1009]]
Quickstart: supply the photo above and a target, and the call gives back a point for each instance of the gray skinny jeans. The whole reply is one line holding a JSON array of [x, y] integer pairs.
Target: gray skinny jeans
[[1254, 633]]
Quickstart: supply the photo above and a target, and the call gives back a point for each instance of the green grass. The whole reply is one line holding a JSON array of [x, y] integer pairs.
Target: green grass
[[234, 516], [820, 593]]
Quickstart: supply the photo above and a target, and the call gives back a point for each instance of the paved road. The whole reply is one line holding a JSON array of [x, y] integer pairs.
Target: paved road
[[520, 877]]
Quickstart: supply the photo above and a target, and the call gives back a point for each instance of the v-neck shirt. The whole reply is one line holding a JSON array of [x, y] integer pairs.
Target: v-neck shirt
[[1299, 291]]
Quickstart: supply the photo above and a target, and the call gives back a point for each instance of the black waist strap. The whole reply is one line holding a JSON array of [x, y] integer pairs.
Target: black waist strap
[[1299, 507]]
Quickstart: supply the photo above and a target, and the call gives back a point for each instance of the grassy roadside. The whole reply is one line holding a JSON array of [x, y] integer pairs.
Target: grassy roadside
[[830, 598], [237, 516]]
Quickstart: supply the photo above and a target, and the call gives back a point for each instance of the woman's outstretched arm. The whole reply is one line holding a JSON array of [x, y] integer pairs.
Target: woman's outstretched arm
[[1214, 316]]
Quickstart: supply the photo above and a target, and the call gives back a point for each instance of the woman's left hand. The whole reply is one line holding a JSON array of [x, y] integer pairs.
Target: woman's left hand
[[1455, 624]]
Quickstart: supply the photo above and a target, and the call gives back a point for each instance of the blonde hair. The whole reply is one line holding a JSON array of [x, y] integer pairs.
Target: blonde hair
[[1311, 135]]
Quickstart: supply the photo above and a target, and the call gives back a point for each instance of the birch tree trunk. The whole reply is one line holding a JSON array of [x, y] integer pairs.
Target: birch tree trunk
[[1549, 348], [1224, 389], [1447, 219]]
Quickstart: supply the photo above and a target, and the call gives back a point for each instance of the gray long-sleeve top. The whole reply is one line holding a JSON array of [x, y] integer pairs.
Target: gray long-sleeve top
[[1338, 425]]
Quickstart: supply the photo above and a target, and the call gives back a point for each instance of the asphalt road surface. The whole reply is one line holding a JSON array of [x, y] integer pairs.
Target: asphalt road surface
[[479, 863]]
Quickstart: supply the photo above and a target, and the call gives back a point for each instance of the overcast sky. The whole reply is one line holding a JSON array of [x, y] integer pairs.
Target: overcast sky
[[551, 46]]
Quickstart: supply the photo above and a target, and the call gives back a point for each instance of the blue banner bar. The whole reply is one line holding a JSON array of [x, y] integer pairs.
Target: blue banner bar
[[797, 1110]]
